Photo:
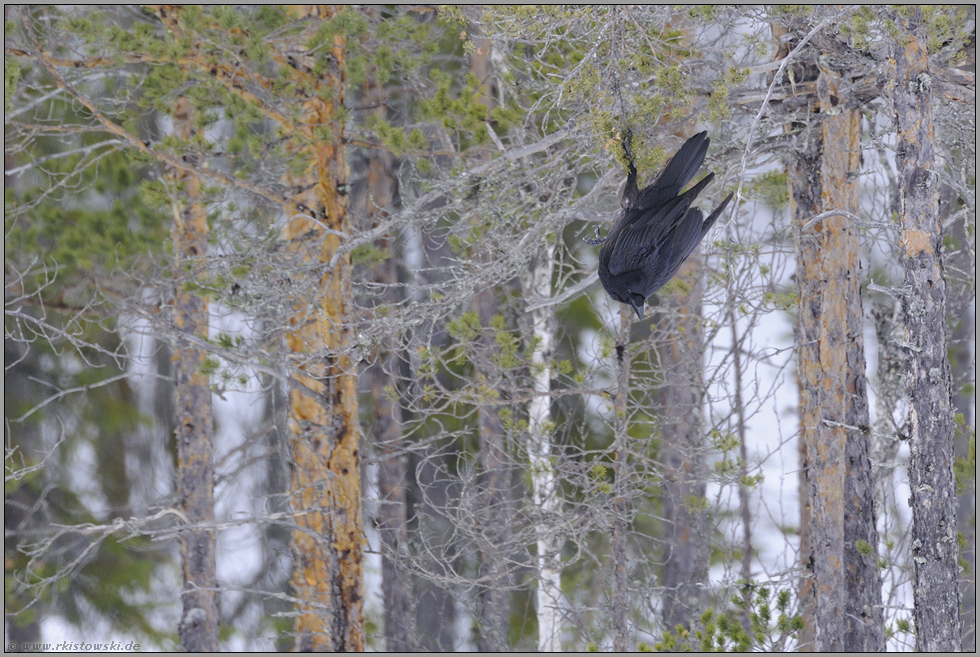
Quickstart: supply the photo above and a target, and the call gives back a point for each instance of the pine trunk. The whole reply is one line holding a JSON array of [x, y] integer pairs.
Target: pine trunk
[[841, 595], [195, 468], [935, 590], [325, 488]]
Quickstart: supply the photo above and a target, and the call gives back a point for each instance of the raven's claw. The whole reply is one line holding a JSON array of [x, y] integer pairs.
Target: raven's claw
[[594, 241]]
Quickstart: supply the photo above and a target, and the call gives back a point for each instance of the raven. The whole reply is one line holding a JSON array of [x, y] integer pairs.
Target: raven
[[658, 230]]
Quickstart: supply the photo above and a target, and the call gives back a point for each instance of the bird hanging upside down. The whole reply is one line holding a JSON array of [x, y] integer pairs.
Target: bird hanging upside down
[[658, 230]]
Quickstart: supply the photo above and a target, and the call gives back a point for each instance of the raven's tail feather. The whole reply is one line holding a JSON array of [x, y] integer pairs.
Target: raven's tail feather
[[692, 194], [685, 163], [710, 221]]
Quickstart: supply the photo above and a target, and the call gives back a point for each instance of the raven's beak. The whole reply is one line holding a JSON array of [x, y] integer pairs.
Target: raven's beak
[[637, 306]]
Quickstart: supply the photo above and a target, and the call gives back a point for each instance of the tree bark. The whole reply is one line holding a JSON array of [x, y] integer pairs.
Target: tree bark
[[935, 590], [198, 628], [325, 490], [841, 595]]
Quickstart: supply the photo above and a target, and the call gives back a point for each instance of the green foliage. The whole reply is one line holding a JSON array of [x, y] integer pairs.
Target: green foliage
[[903, 626], [209, 366], [858, 27], [464, 328], [965, 467], [702, 13], [729, 466], [676, 286], [719, 108], [369, 254], [601, 478], [772, 189], [116, 573], [944, 25], [11, 79], [791, 11], [457, 108], [513, 425], [963, 543], [753, 621], [696, 504], [782, 299], [111, 234]]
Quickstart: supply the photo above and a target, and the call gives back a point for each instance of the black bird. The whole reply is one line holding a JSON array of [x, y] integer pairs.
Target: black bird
[[658, 230]]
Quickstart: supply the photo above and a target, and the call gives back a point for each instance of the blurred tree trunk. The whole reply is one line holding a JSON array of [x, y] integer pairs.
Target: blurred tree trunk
[[679, 313], [392, 512], [435, 604], [889, 398], [19, 629], [963, 371], [378, 199], [935, 590], [325, 464], [621, 507], [276, 536], [961, 295], [681, 455], [841, 595], [494, 505], [195, 470], [544, 478], [494, 615], [430, 492]]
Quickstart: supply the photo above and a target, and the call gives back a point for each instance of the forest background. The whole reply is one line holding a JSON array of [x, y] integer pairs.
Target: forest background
[[304, 348]]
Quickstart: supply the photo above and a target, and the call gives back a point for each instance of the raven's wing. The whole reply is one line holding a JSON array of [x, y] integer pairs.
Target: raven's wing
[[646, 229], [658, 242], [641, 233], [664, 264], [679, 245]]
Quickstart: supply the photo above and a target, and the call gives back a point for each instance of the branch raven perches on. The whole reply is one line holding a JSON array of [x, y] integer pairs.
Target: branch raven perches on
[[658, 230]]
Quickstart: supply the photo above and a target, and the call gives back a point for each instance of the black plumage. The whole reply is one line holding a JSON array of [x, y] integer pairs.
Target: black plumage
[[658, 230]]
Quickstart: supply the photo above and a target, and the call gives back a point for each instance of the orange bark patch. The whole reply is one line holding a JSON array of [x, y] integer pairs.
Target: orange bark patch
[[915, 242]]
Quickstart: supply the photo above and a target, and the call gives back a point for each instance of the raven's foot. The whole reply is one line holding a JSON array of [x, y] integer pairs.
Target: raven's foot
[[594, 241], [631, 191]]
